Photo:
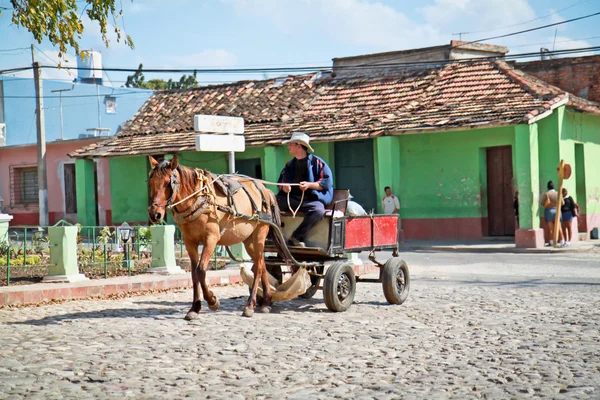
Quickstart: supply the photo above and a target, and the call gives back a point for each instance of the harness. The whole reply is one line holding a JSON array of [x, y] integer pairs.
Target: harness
[[205, 198]]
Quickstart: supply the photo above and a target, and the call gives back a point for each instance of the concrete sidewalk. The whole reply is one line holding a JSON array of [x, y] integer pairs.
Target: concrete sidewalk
[[495, 246], [18, 295]]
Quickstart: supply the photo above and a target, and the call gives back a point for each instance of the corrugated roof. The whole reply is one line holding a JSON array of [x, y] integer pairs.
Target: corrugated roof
[[461, 94]]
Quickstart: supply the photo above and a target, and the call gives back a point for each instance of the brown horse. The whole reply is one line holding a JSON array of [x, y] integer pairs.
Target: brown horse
[[206, 215]]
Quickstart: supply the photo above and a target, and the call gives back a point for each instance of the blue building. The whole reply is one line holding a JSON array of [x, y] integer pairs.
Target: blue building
[[88, 109]]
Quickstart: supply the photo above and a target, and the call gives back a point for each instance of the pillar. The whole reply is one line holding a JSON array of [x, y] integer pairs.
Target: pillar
[[526, 175], [62, 241], [86, 193], [163, 250], [387, 172], [4, 224]]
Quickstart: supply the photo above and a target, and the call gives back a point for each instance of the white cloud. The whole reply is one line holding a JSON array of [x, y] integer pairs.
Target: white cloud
[[359, 22], [67, 63], [206, 58], [474, 15]]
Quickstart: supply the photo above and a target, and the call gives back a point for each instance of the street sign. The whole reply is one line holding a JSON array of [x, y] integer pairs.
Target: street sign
[[218, 124], [208, 142]]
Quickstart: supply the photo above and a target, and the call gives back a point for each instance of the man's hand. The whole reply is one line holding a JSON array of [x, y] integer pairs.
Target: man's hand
[[285, 188]]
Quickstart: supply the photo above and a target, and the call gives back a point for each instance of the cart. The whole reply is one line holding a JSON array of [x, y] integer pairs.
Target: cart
[[325, 256]]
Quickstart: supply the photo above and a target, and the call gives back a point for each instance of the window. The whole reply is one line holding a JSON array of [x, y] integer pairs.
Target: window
[[110, 103], [24, 185], [70, 191]]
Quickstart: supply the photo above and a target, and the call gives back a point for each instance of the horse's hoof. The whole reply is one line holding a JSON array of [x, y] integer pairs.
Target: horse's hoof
[[265, 309], [248, 312], [191, 315], [215, 306]]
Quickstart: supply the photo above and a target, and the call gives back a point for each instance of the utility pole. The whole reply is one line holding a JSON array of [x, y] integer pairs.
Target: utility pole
[[41, 142]]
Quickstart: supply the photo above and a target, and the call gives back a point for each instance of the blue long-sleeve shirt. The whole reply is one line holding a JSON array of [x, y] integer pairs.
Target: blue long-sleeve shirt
[[318, 171]]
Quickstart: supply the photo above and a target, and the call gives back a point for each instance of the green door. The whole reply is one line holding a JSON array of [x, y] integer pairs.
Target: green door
[[249, 167], [354, 170]]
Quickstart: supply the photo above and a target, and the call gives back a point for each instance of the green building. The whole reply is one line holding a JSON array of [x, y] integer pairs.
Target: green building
[[454, 142]]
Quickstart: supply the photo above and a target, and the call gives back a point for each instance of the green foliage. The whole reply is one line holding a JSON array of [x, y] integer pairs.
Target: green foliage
[[105, 235], [18, 261], [137, 80], [60, 20], [39, 242], [144, 235]]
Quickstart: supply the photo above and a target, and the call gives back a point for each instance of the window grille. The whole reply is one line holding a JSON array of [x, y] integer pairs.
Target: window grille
[[24, 185]]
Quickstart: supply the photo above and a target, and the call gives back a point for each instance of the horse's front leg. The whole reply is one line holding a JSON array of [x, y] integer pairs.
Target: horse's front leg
[[207, 252], [192, 249]]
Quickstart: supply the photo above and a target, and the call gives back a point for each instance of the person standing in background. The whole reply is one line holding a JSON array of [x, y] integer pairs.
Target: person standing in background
[[550, 201], [568, 211], [390, 203]]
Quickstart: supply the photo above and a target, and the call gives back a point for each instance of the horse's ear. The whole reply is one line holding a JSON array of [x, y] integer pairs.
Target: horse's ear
[[174, 163], [153, 161]]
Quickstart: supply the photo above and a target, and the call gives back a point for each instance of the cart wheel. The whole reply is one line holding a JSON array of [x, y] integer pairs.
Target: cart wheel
[[315, 281], [396, 280], [339, 286]]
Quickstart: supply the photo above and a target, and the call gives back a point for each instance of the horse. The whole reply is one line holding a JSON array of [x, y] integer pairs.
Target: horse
[[206, 214]]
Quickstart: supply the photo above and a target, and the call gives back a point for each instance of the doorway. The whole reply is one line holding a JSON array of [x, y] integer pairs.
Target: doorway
[[354, 170], [250, 167], [501, 217]]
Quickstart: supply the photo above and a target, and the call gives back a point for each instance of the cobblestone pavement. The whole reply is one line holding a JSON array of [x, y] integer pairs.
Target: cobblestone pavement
[[453, 338]]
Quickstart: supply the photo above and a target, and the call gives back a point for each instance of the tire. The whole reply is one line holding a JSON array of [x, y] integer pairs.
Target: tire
[[314, 287], [339, 286], [396, 281]]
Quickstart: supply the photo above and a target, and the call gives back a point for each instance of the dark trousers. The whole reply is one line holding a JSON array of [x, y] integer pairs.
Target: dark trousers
[[313, 213]]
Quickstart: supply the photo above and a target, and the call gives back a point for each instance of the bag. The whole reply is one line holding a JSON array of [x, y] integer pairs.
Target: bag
[[547, 202]]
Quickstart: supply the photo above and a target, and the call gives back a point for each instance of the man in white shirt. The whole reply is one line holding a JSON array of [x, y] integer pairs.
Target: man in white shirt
[[390, 203]]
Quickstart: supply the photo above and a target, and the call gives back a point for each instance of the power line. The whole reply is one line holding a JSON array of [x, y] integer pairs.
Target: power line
[[326, 68], [502, 36], [524, 22]]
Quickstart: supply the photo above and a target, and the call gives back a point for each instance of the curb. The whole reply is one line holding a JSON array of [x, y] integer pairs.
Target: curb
[[516, 250], [36, 293]]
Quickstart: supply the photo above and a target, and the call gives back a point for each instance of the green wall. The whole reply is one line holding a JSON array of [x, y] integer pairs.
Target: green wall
[[85, 192], [441, 172], [584, 129], [129, 189]]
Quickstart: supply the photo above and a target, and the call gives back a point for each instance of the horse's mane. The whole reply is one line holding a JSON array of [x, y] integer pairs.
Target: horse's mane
[[187, 175]]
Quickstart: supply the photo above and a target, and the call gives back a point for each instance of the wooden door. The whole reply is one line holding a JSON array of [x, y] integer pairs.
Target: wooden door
[[354, 170], [501, 217]]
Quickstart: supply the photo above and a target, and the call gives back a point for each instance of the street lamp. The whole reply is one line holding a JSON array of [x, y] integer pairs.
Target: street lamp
[[125, 234]]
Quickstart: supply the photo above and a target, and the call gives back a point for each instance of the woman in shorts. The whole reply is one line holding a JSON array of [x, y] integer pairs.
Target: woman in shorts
[[568, 211]]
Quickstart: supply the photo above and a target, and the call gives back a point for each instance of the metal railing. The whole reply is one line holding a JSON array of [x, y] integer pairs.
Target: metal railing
[[25, 253]]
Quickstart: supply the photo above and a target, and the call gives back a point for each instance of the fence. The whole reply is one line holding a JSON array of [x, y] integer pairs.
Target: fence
[[101, 253]]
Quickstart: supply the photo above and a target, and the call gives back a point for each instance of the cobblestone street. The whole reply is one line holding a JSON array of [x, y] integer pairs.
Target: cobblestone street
[[453, 338]]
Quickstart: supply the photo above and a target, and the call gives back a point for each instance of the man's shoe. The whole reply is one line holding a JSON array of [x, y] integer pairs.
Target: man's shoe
[[292, 241]]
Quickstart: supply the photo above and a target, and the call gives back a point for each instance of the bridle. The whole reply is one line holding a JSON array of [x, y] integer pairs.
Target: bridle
[[174, 183]]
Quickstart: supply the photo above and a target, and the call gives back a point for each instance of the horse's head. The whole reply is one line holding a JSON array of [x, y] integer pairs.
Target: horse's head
[[164, 187]]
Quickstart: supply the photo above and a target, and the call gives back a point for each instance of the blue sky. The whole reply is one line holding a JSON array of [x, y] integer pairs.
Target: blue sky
[[268, 33]]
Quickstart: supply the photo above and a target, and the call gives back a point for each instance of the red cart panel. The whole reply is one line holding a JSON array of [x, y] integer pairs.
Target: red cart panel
[[385, 228], [358, 232]]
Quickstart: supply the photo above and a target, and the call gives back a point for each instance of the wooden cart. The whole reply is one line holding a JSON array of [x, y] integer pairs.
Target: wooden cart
[[326, 254]]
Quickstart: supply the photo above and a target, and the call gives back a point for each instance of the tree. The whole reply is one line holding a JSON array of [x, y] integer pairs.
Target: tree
[[137, 80], [60, 20]]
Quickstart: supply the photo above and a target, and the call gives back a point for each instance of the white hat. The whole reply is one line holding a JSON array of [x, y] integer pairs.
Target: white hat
[[300, 137]]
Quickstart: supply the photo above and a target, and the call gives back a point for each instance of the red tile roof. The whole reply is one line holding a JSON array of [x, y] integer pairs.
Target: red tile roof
[[457, 95]]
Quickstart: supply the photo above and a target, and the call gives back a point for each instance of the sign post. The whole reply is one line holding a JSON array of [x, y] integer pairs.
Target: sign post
[[233, 142]]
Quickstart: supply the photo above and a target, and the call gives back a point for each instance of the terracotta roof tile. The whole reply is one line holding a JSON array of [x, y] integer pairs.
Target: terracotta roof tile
[[452, 96]]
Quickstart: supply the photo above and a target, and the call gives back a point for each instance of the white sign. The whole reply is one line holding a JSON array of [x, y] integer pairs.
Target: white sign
[[208, 142], [218, 124]]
